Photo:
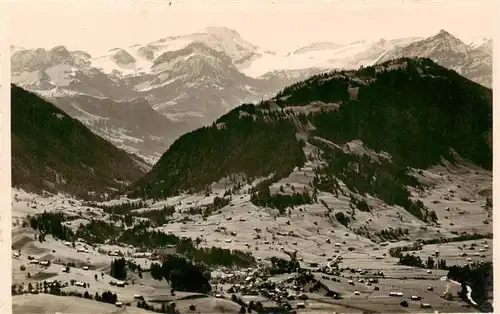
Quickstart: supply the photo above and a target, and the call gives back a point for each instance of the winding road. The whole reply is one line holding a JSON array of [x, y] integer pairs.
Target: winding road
[[329, 265], [469, 289]]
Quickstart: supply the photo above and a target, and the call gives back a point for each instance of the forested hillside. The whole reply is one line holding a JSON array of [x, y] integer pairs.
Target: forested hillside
[[55, 153], [412, 109]]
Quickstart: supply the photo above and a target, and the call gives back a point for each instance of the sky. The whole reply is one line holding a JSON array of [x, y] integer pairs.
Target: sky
[[278, 25]]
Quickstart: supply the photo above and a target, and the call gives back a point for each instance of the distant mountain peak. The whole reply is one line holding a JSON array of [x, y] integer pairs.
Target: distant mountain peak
[[123, 57], [61, 54], [450, 52], [220, 30], [446, 41], [59, 48], [442, 34]]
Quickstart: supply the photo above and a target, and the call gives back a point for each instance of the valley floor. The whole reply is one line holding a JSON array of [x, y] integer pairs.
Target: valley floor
[[316, 238]]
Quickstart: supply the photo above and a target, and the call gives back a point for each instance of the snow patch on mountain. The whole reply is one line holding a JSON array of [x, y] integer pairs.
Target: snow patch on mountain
[[121, 63], [326, 56], [139, 59], [317, 46], [56, 92], [60, 74]]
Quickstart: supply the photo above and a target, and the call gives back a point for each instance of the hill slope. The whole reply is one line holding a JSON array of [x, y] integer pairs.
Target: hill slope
[[53, 152], [415, 110], [130, 125], [407, 114]]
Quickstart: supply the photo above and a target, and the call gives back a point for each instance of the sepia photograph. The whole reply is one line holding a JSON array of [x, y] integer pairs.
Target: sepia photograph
[[251, 156]]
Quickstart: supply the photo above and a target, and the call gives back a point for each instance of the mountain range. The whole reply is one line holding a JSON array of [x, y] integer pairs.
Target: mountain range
[[370, 133], [369, 130], [473, 62], [141, 98], [382, 164]]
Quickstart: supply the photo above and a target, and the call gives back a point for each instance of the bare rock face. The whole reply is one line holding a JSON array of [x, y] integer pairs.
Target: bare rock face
[[146, 52], [123, 58]]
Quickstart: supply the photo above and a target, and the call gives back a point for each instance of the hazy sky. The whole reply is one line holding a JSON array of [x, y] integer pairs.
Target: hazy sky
[[281, 26]]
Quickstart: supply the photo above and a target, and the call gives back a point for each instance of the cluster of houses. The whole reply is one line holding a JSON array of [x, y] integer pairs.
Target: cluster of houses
[[279, 292], [255, 282]]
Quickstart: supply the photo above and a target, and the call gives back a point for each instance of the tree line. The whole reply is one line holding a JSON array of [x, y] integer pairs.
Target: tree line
[[383, 179], [182, 274]]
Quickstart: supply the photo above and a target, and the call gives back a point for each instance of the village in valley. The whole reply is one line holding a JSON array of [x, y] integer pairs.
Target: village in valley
[[187, 170], [116, 254]]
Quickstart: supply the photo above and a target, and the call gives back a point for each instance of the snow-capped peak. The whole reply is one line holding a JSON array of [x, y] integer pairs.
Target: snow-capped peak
[[444, 33], [228, 41], [60, 54], [220, 31], [317, 46], [442, 41], [60, 50], [139, 58]]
